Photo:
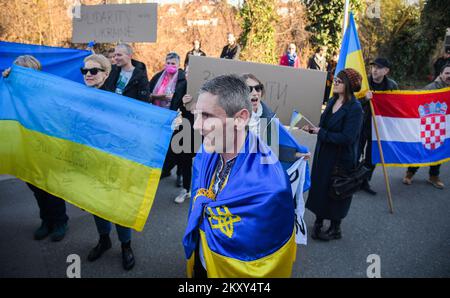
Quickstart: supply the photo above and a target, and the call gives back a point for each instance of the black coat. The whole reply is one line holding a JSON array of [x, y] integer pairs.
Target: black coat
[[191, 52], [231, 52], [339, 132], [180, 89], [136, 88]]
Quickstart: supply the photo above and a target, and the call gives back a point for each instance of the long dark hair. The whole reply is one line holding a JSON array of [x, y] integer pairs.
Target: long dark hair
[[348, 92]]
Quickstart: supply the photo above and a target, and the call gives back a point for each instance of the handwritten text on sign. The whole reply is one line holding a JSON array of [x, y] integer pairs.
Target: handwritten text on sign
[[116, 22], [286, 88]]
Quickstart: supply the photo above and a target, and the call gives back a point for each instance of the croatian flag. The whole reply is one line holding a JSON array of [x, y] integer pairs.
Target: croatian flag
[[414, 127]]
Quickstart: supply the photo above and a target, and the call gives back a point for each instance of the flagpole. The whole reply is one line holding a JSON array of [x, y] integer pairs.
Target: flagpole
[[386, 178], [346, 9]]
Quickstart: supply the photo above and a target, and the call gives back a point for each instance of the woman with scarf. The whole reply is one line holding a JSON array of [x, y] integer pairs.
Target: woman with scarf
[[290, 58], [167, 89]]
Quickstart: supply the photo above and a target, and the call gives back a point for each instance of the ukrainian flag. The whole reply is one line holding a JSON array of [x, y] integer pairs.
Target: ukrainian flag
[[351, 56], [97, 150], [247, 230]]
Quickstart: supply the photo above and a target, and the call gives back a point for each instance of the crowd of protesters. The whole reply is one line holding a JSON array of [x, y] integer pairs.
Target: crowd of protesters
[[338, 142]]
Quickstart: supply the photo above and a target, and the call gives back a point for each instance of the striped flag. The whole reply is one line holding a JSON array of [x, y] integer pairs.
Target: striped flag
[[295, 118], [351, 56], [414, 127], [95, 149]]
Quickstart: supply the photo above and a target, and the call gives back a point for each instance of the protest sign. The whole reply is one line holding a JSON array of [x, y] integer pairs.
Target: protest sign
[[116, 22], [286, 88]]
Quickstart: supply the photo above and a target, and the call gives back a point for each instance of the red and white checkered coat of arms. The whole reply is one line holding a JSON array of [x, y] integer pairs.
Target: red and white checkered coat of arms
[[432, 124]]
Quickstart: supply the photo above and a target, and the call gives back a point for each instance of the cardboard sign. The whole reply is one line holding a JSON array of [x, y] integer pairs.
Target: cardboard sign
[[286, 88], [116, 22]]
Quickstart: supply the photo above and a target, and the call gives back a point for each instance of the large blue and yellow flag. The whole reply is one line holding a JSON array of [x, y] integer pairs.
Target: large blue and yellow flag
[[247, 230], [350, 56], [62, 62], [97, 150]]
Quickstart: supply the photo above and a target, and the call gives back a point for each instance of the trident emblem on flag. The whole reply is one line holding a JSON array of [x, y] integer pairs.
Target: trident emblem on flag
[[432, 124], [224, 220]]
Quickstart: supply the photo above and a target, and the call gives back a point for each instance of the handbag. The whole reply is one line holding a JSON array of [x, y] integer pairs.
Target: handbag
[[344, 183]]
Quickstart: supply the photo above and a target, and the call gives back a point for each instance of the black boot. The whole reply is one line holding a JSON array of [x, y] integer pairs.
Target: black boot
[[127, 256], [334, 232], [103, 245], [318, 234], [366, 187]]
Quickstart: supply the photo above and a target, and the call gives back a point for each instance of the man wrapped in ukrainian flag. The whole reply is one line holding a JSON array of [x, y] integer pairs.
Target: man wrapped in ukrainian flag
[[241, 221]]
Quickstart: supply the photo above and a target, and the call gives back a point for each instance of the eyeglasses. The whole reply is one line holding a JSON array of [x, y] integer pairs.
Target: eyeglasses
[[257, 88], [93, 71], [337, 81]]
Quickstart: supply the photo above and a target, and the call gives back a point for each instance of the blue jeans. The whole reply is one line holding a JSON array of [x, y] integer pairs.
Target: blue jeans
[[104, 228]]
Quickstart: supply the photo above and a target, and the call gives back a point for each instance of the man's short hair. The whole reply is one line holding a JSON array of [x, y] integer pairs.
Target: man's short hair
[[232, 92], [127, 48]]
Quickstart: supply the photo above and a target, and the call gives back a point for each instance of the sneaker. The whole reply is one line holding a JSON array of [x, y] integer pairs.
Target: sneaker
[[42, 232], [436, 182], [184, 194], [58, 232]]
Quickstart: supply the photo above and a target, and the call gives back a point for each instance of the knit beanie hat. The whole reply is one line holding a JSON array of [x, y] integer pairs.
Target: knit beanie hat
[[354, 78]]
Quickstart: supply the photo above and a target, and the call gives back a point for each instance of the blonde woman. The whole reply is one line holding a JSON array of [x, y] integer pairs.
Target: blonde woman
[[95, 72], [52, 209]]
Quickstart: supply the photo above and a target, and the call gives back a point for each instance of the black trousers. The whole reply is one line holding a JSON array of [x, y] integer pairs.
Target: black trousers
[[183, 161], [51, 208], [434, 170], [199, 270], [365, 142]]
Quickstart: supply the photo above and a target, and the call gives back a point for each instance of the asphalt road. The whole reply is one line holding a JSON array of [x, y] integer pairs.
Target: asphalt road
[[412, 242]]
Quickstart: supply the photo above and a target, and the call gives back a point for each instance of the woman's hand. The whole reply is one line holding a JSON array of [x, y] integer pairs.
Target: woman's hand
[[177, 121], [6, 72], [311, 129]]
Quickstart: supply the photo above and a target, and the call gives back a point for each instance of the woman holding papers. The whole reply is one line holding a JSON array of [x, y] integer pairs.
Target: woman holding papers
[[337, 145]]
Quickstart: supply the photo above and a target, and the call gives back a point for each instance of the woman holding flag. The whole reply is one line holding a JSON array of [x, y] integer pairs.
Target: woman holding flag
[[337, 146], [95, 72]]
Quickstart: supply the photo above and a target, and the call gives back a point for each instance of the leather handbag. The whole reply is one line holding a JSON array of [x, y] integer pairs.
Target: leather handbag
[[344, 183]]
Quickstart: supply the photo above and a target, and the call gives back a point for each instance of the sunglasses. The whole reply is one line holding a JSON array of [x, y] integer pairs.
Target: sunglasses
[[93, 71], [257, 88], [337, 81]]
